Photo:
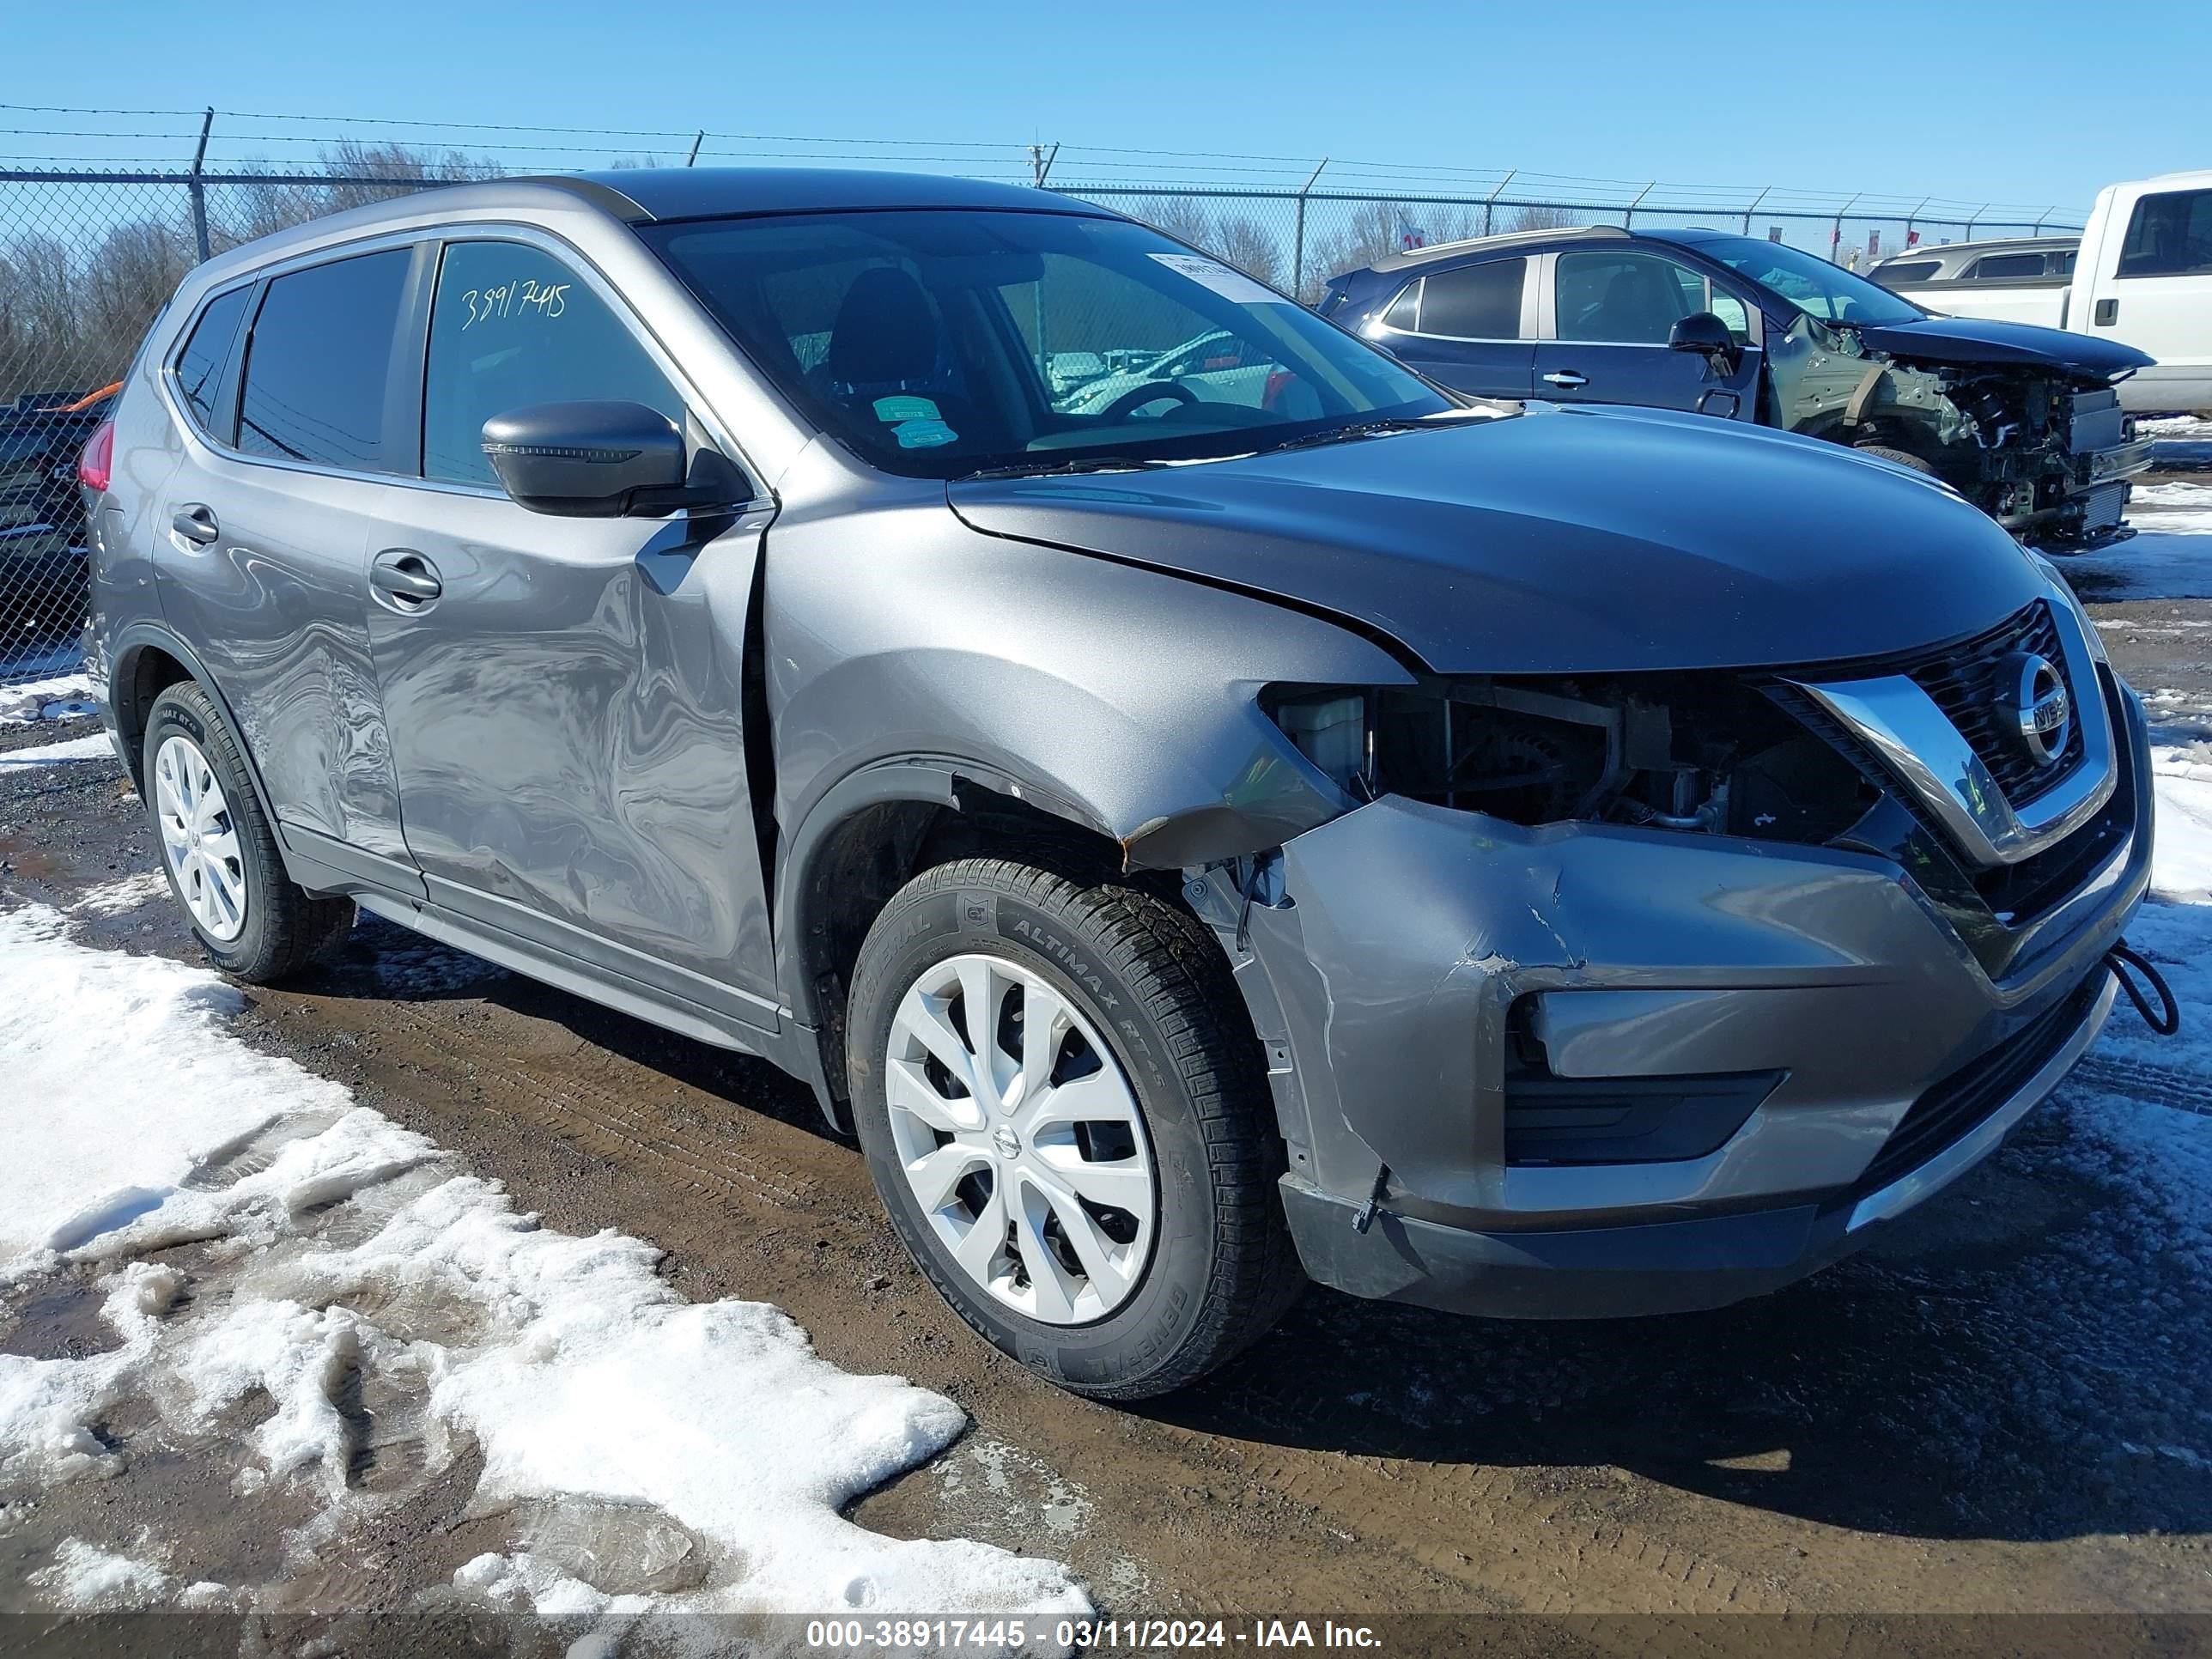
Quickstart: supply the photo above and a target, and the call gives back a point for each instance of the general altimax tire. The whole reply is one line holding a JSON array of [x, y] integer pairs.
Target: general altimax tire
[[1143, 976], [283, 927]]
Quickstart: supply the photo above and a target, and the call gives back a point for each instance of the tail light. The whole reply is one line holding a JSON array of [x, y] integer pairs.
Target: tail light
[[97, 464]]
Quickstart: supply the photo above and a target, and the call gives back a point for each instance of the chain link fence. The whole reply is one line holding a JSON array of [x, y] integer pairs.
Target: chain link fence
[[88, 259]]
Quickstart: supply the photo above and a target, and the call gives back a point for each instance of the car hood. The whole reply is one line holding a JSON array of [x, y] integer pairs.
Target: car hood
[[1569, 539], [1976, 340]]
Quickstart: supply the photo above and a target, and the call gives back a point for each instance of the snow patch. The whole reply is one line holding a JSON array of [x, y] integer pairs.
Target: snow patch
[[71, 749], [119, 1081], [125, 893], [64, 697], [2181, 860], [703, 1451], [85, 1576]]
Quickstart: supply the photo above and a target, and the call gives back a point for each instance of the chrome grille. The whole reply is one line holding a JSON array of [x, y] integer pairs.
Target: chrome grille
[[1962, 681]]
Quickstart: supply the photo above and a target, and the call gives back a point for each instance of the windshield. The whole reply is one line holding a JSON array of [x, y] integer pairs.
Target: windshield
[[1809, 282], [940, 342]]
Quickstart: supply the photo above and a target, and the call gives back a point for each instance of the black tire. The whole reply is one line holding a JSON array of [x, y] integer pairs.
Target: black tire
[[286, 926], [1901, 457], [1222, 1269]]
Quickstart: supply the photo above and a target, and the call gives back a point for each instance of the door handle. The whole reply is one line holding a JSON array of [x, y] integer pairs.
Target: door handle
[[2107, 313], [1565, 377], [404, 580], [195, 523]]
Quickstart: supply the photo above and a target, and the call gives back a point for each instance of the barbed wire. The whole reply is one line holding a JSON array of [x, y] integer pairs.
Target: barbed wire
[[1107, 165]]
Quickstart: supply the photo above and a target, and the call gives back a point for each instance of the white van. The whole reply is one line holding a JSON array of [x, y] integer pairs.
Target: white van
[[2143, 275]]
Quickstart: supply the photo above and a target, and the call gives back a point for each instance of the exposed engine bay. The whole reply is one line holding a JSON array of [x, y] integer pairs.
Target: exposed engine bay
[[2045, 453], [1707, 753]]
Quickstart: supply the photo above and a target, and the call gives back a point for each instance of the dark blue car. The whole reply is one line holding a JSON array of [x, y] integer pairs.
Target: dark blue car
[[2022, 421]]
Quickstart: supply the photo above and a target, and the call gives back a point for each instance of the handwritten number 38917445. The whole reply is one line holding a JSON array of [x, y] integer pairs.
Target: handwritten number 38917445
[[517, 297]]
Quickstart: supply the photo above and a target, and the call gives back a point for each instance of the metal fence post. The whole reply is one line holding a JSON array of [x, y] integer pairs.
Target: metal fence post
[[1491, 200], [1978, 212], [1753, 208], [199, 190], [1628, 218], [697, 139], [1298, 233], [1835, 232]]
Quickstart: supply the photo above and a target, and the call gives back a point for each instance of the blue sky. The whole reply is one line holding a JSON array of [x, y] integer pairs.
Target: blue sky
[[2025, 102]]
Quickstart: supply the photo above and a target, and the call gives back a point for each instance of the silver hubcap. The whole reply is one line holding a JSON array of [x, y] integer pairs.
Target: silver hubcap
[[199, 839], [1020, 1136]]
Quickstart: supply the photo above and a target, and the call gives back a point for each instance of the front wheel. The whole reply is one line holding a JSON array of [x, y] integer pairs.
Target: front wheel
[[1067, 1118]]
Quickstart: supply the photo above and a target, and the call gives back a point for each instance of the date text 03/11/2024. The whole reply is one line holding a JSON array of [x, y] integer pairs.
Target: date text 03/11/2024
[[999, 1635]]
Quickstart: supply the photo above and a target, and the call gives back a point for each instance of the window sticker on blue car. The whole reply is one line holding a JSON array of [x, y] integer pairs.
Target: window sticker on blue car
[[923, 434], [1229, 284], [892, 411]]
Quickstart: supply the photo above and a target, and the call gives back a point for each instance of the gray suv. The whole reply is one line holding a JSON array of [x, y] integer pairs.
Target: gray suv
[[1592, 861]]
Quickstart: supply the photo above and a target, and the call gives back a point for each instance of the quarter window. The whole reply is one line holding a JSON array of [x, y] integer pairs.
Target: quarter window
[[1474, 303], [2170, 235], [199, 365], [1624, 298], [1405, 311], [318, 363], [512, 326], [1997, 267]]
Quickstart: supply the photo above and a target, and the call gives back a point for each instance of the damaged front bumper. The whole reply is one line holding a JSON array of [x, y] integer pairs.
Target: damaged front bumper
[[1592, 1070]]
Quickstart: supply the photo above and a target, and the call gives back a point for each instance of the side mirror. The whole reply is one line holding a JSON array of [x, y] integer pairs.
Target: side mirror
[[1709, 336], [603, 460]]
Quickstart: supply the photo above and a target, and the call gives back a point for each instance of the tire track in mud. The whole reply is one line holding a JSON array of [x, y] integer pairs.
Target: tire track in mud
[[562, 1099], [2147, 1080]]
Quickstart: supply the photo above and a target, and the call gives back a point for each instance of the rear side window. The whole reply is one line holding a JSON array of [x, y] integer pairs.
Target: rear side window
[[512, 326], [1912, 271], [199, 365], [1475, 303], [2170, 235], [1996, 267], [318, 363]]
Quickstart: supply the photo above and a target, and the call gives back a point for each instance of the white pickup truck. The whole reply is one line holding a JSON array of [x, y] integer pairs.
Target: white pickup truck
[[2141, 274]]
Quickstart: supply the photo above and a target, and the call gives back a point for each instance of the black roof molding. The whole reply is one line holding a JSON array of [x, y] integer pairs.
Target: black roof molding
[[656, 194]]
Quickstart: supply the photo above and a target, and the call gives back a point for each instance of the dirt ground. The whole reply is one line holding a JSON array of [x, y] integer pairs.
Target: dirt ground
[[2005, 1406]]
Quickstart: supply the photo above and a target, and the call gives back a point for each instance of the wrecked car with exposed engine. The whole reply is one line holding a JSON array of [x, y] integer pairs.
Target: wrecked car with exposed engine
[[1591, 861], [2023, 421]]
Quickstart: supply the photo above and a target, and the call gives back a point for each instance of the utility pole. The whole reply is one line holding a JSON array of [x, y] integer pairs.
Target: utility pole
[[199, 189]]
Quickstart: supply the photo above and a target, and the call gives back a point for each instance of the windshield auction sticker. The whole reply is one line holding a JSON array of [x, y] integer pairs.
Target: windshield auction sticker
[[1229, 284]]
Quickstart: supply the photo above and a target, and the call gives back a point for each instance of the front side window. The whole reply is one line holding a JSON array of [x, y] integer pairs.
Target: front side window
[[1624, 297], [1807, 283], [1475, 303], [936, 343], [318, 362], [510, 326], [2169, 234], [199, 365]]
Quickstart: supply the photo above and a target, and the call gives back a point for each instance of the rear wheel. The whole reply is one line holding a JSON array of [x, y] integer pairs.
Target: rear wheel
[[219, 850], [1069, 1125]]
